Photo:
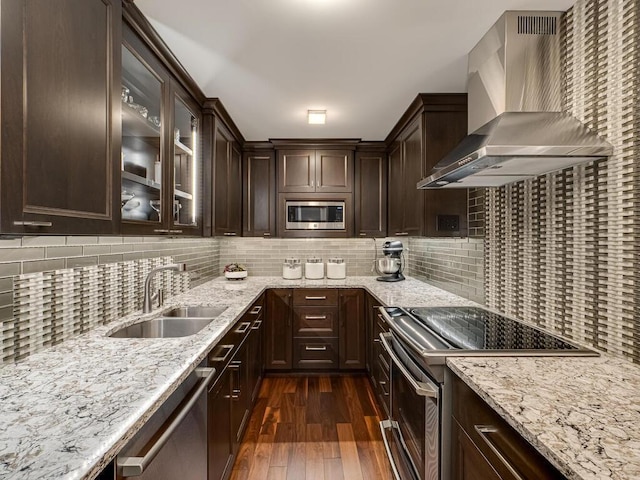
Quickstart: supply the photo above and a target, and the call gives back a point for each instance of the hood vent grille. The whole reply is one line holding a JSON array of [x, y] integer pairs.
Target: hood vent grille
[[537, 25]]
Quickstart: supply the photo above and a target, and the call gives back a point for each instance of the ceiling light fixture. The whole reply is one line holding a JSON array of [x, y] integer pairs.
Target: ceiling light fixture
[[317, 117]]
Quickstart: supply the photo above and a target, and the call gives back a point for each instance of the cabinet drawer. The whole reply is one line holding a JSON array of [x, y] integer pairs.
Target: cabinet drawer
[[509, 454], [319, 353], [315, 296], [380, 326], [315, 322]]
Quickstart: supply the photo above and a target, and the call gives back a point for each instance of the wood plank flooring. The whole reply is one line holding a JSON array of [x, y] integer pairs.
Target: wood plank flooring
[[313, 428]]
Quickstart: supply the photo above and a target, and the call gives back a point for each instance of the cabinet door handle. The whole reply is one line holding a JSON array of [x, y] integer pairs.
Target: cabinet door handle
[[30, 223], [229, 234], [376, 340], [312, 182], [362, 234], [402, 234], [315, 298], [135, 466], [175, 231], [315, 349], [256, 310], [244, 326], [315, 317], [485, 432], [160, 230], [222, 348], [266, 234]]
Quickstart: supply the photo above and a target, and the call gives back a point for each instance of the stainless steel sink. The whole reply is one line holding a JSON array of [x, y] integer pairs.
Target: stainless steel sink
[[163, 328], [194, 312], [177, 322]]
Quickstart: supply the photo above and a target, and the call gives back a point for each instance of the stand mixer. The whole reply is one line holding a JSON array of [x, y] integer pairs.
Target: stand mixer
[[390, 266]]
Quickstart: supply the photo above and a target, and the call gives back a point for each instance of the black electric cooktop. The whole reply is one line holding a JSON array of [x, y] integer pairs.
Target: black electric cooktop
[[473, 330]]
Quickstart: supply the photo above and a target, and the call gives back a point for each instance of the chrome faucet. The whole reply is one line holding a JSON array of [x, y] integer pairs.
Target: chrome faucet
[[148, 297]]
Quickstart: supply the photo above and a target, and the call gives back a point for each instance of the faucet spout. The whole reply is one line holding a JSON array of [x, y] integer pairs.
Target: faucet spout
[[148, 296]]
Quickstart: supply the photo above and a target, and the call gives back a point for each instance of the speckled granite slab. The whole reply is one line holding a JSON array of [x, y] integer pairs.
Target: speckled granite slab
[[67, 411], [583, 414]]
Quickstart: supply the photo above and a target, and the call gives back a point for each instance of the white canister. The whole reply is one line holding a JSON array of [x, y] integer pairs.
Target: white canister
[[291, 269], [314, 269], [336, 268]]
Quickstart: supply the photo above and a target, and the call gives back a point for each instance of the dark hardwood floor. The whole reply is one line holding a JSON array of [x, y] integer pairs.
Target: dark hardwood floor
[[313, 428]]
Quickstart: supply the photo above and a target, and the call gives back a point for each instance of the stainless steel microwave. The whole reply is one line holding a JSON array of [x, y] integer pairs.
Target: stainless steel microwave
[[310, 215]]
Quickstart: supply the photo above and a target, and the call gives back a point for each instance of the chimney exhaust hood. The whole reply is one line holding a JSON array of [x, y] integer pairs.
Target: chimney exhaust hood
[[518, 130]]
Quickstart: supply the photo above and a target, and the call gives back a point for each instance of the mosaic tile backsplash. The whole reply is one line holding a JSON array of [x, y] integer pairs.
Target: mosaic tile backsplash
[[563, 250], [51, 307], [66, 285]]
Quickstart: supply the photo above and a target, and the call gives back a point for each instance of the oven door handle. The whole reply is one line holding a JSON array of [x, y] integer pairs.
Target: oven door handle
[[421, 388], [387, 425]]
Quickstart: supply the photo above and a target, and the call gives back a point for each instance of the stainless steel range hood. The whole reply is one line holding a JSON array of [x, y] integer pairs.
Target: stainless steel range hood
[[518, 128]]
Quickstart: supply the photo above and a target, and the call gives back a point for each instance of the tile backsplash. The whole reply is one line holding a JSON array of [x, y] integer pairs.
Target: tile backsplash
[[453, 264], [563, 250], [265, 256], [81, 258]]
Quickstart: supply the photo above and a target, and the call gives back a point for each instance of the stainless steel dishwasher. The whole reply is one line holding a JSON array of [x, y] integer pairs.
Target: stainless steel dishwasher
[[173, 442]]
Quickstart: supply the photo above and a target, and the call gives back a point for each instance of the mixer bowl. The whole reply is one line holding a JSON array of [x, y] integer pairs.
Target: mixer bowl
[[388, 265]]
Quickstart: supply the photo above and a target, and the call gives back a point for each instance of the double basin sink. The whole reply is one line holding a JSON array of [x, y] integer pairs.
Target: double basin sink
[[176, 322]]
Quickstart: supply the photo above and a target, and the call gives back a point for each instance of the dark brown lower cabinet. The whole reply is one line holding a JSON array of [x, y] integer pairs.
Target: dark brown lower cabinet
[[485, 447], [278, 327], [220, 446], [352, 329], [379, 361]]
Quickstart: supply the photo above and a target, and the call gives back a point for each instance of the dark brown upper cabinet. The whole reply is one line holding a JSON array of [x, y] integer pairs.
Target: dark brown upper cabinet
[[259, 193], [161, 147], [60, 114], [227, 182], [370, 193], [406, 202], [320, 171], [445, 125], [431, 127]]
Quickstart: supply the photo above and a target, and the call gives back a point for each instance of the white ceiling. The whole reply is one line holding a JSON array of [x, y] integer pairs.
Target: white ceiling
[[363, 61]]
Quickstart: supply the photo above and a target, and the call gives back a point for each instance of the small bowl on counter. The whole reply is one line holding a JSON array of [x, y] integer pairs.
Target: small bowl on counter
[[235, 271]]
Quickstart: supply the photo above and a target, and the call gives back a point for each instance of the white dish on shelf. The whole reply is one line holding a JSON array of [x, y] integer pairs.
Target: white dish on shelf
[[236, 275]]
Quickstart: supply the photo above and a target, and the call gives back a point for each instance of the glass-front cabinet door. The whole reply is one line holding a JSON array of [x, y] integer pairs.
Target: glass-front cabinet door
[[142, 153], [160, 147], [186, 153]]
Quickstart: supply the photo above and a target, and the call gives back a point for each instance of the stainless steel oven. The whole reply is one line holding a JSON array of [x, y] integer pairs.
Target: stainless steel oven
[[417, 433], [314, 215], [412, 432]]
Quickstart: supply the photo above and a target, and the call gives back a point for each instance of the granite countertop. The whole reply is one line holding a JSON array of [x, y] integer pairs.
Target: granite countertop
[[67, 411]]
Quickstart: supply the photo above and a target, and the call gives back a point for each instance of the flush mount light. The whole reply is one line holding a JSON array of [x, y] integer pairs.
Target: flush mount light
[[316, 117]]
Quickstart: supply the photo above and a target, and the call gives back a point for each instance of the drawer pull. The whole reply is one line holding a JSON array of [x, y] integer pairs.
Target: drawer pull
[[160, 230], [315, 349], [485, 432], [256, 310], [175, 231], [315, 317], [256, 325], [222, 348], [29, 223], [315, 298], [402, 234], [376, 340], [229, 234], [244, 326]]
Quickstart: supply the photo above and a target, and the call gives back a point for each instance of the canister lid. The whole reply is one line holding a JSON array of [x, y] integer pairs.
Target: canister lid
[[314, 260], [291, 261], [336, 260]]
